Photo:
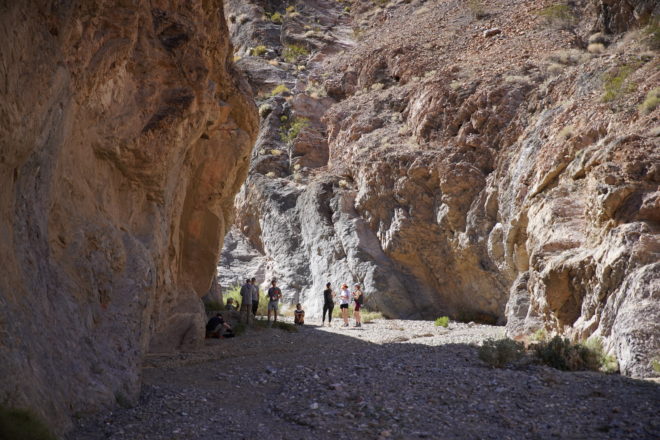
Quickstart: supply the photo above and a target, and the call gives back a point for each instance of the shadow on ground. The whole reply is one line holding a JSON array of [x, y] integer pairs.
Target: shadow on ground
[[319, 383]]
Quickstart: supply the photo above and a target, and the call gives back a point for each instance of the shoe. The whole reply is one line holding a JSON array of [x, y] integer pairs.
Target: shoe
[[346, 325]]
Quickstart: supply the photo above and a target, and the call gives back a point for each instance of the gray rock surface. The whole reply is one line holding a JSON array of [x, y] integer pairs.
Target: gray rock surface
[[485, 178]]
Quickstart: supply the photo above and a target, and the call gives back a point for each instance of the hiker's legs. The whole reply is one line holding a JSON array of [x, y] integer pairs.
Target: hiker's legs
[[255, 306], [330, 307]]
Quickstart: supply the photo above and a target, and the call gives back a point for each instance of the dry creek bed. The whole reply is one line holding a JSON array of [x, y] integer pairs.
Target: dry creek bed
[[391, 379]]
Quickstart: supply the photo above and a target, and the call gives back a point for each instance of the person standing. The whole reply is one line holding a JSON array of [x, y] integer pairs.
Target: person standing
[[246, 302], [328, 304], [255, 296], [358, 299], [344, 300], [274, 295]]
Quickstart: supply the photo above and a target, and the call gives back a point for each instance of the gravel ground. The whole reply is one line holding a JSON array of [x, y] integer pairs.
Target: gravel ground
[[390, 379]]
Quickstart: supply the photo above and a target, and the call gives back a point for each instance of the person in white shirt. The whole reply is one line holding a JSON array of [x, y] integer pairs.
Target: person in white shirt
[[344, 300]]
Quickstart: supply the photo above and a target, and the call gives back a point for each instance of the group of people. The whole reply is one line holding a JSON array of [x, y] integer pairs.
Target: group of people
[[250, 300], [345, 298], [250, 303]]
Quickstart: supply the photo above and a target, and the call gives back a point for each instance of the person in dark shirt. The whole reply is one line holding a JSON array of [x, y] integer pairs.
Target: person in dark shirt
[[274, 295], [217, 327], [328, 304]]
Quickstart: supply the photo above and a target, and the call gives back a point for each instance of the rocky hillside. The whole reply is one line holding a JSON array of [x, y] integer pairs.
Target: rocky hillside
[[124, 136], [494, 161]]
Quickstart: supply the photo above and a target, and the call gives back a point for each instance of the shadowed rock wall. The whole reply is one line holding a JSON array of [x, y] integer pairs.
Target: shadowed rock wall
[[124, 135]]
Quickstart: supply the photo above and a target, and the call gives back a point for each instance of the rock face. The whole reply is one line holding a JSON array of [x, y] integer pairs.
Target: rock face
[[124, 135], [500, 178]]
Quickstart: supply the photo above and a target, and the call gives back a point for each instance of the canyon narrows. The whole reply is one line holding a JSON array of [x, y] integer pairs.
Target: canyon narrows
[[125, 133], [490, 161], [494, 161]]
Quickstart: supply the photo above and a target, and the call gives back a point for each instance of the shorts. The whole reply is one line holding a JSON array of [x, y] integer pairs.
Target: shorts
[[357, 307], [272, 305], [343, 306]]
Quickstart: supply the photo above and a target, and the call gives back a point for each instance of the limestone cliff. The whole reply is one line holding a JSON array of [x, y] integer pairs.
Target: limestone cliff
[[494, 161], [124, 136]]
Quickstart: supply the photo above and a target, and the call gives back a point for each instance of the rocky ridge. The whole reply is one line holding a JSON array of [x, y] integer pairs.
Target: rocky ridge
[[125, 133], [485, 160]]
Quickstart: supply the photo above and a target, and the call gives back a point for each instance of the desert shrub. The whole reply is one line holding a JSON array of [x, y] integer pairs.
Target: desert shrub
[[596, 48], [655, 364], [275, 17], [293, 52], [289, 132], [651, 34], [442, 321], [559, 16], [369, 316], [477, 9], [281, 325], [21, 424], [500, 352], [290, 9], [607, 362], [540, 335], [279, 90], [569, 57], [212, 306], [258, 51], [616, 83], [560, 353], [233, 292], [566, 132], [651, 101]]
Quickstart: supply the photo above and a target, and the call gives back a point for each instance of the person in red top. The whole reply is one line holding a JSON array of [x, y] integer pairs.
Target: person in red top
[[358, 299], [274, 295]]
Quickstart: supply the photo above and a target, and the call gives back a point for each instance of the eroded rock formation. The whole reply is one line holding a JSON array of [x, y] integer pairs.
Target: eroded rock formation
[[481, 162], [124, 136]]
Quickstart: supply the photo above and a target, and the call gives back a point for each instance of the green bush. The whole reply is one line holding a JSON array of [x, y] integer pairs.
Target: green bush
[[651, 101], [442, 321], [289, 132], [275, 17], [293, 52], [616, 83], [655, 364], [500, 352], [21, 424], [559, 15], [560, 353], [540, 335], [280, 89], [607, 363], [258, 51]]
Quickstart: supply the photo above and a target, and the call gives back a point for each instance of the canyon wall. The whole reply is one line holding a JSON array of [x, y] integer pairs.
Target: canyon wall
[[491, 161], [124, 135]]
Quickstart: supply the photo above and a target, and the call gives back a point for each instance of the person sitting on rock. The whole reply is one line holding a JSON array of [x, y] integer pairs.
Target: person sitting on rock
[[218, 328], [299, 315], [230, 305]]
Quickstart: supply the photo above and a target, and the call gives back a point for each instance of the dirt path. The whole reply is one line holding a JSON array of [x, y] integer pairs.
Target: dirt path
[[391, 379]]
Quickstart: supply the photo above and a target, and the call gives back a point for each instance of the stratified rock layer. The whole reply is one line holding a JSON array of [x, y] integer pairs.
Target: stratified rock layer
[[124, 135], [470, 159]]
